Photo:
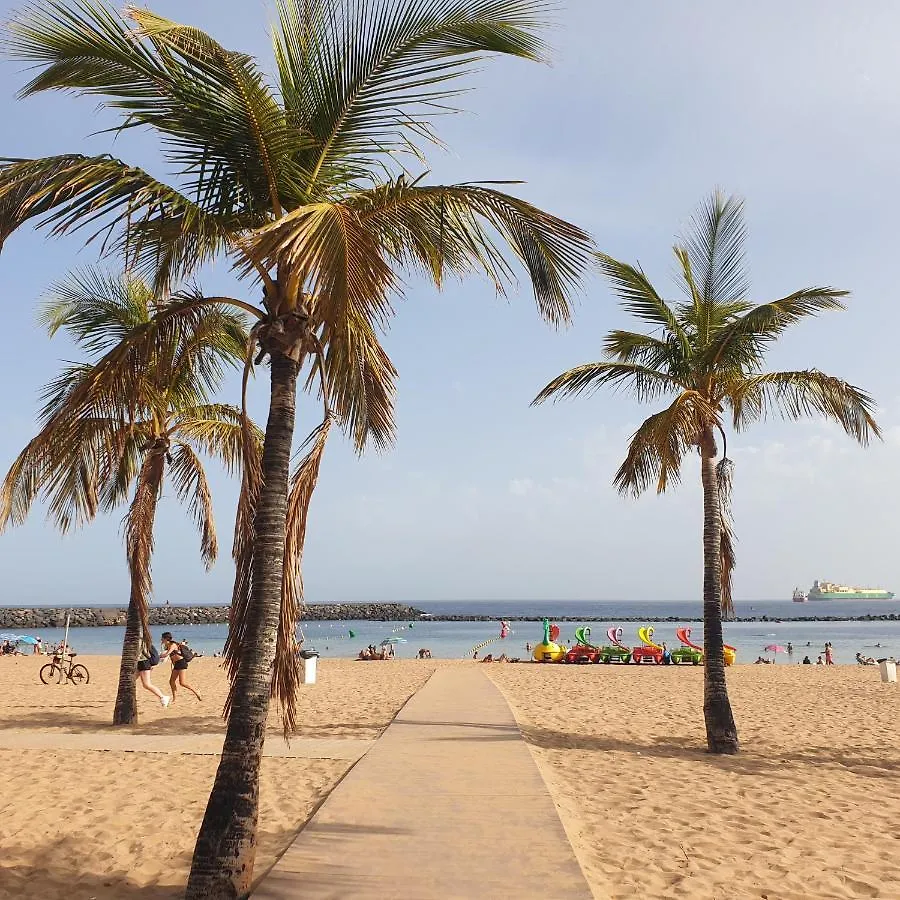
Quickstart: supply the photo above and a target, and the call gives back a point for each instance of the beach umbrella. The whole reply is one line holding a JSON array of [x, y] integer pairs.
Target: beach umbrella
[[387, 641], [775, 648], [26, 639]]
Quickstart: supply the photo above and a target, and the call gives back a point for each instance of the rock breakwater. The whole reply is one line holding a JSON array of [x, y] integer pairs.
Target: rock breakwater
[[98, 616]]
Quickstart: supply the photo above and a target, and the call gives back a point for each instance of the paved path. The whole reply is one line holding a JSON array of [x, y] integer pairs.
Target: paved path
[[448, 804], [201, 744]]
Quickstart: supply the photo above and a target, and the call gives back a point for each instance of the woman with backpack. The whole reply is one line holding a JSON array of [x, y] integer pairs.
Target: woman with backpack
[[148, 659], [180, 655]]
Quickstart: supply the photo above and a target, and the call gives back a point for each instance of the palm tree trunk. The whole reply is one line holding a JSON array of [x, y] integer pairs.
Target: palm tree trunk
[[139, 551], [721, 732], [125, 712], [222, 867]]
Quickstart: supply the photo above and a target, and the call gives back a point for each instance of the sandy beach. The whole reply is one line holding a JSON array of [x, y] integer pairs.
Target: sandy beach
[[810, 809], [81, 824]]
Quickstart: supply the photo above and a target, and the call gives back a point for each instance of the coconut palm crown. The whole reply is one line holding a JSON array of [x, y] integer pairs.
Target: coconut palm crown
[[705, 354], [116, 425]]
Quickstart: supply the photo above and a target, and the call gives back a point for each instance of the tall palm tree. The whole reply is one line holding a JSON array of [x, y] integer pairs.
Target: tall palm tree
[[302, 182], [706, 352], [115, 426]]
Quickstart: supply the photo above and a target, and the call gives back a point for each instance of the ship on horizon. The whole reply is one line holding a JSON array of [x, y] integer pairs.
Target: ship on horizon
[[799, 596], [828, 590]]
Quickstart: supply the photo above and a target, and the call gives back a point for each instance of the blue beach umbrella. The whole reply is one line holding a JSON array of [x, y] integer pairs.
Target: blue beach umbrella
[[26, 639], [387, 641]]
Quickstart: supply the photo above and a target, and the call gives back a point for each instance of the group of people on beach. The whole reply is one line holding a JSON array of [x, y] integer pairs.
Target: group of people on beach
[[179, 654], [11, 648], [826, 657], [372, 652]]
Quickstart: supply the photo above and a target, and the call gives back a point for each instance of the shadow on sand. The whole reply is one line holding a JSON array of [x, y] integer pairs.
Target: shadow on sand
[[748, 762]]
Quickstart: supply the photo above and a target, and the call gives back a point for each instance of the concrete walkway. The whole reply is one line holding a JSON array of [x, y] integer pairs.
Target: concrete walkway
[[448, 804], [199, 744]]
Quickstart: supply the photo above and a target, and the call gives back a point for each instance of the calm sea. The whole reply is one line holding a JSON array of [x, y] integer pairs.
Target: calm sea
[[453, 640]]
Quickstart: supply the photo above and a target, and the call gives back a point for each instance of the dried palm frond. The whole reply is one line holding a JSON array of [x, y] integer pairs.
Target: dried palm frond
[[139, 532], [287, 665], [303, 483], [725, 481], [244, 536], [192, 489]]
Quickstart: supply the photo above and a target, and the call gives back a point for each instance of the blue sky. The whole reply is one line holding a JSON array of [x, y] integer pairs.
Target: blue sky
[[646, 108]]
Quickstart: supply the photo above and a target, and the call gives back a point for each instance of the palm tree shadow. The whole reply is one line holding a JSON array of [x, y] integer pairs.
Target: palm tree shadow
[[749, 762], [175, 723], [58, 874]]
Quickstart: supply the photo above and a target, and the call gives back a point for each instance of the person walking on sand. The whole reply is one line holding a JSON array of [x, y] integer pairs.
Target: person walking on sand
[[148, 659], [180, 655], [829, 654]]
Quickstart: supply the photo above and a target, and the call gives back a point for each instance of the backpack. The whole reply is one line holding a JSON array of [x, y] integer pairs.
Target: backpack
[[186, 653], [154, 655]]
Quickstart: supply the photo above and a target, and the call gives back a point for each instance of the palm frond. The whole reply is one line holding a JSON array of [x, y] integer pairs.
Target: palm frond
[[659, 445], [121, 460], [97, 309], [192, 489], [71, 192], [220, 123], [454, 229], [715, 247], [221, 117], [216, 430], [365, 79], [640, 299], [207, 342], [361, 381], [804, 394], [643, 382], [644, 349], [82, 459], [741, 342], [139, 532], [286, 676], [74, 490]]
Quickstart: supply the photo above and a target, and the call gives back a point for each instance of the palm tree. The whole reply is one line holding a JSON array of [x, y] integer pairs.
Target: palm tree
[[301, 183], [707, 353], [113, 423]]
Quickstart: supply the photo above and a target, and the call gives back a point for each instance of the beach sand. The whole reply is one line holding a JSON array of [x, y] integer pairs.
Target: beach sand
[[81, 823], [809, 809]]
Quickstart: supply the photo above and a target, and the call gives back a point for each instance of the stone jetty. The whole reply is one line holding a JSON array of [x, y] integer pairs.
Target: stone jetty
[[91, 617]]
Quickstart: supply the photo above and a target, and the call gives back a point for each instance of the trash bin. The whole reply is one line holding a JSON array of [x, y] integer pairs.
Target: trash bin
[[308, 666], [888, 669]]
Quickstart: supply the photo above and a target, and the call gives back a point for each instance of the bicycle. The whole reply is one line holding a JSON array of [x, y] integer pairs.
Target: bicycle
[[64, 668]]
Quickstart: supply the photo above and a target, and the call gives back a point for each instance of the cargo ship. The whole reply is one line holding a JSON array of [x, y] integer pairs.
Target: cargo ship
[[828, 590]]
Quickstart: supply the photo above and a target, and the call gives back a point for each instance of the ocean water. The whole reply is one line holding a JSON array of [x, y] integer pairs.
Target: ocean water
[[455, 640]]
